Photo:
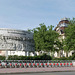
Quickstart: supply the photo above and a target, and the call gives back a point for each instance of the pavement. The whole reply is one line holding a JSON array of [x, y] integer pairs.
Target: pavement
[[36, 70]]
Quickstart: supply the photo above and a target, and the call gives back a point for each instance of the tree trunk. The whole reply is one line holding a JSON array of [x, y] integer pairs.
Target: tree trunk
[[66, 54]]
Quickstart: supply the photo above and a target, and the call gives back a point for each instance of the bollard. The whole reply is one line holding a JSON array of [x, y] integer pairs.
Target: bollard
[[20, 65], [64, 64], [29, 65], [33, 64], [67, 64], [37, 64], [46, 65], [60, 64], [41, 64], [25, 65], [71, 64], [15, 65], [5, 65], [50, 65], [53, 65], [0, 65], [57, 65], [10, 65]]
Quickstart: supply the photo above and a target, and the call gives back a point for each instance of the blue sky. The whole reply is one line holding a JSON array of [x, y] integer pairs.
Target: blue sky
[[28, 14]]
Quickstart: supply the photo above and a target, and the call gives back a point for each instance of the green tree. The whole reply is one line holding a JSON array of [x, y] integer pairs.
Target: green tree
[[69, 42], [45, 38]]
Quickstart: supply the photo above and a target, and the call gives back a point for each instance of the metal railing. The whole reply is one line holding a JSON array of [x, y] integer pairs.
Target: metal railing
[[35, 63]]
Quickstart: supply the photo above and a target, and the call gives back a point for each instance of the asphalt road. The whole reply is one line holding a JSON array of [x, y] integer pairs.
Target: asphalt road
[[49, 73], [34, 70]]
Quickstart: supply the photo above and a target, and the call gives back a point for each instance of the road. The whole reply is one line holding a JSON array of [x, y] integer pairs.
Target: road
[[49, 73], [34, 70]]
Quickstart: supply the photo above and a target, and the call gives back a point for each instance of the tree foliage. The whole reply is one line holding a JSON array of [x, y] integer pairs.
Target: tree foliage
[[45, 38], [69, 41]]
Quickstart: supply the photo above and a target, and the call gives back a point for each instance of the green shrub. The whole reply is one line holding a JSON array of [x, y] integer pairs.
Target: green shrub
[[15, 57], [72, 57], [66, 58], [45, 57], [62, 58], [36, 58], [41, 57], [2, 57]]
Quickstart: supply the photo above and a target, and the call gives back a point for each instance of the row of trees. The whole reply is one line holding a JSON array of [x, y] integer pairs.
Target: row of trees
[[46, 38]]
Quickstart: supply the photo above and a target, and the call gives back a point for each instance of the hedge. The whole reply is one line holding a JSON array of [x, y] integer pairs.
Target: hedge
[[66, 58], [2, 57], [41, 57]]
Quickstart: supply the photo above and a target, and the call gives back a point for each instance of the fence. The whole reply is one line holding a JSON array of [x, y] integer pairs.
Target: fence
[[36, 63]]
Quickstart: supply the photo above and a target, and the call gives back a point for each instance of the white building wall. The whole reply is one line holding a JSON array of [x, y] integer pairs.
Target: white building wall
[[16, 41]]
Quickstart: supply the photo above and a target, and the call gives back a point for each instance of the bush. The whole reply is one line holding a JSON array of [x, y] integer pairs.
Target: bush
[[45, 57], [2, 57], [41, 57], [15, 57], [66, 58], [62, 58], [72, 57], [36, 58]]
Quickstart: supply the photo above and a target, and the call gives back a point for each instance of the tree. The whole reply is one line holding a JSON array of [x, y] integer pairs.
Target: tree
[[45, 38], [69, 42]]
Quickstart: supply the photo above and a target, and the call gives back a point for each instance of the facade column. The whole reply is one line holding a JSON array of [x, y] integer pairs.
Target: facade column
[[10, 52], [28, 53], [6, 54], [34, 53], [25, 53]]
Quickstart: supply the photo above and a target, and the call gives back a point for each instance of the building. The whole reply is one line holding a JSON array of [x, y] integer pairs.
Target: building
[[63, 23], [16, 42], [20, 42]]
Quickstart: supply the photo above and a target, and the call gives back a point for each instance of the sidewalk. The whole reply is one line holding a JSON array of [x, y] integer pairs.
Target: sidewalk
[[33, 70]]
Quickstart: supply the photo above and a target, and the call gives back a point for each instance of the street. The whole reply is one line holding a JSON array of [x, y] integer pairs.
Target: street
[[34, 70], [49, 73]]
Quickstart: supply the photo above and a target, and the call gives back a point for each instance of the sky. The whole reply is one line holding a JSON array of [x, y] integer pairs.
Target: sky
[[28, 14]]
